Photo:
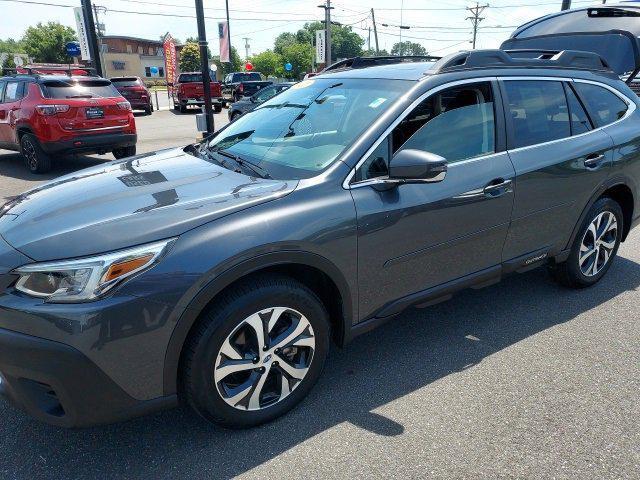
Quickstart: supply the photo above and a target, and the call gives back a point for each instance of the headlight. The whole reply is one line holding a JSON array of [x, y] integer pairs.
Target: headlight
[[86, 279]]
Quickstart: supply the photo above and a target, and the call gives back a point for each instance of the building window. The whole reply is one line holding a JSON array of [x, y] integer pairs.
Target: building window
[[118, 65], [161, 71], [147, 71], [140, 50], [150, 50], [129, 49]]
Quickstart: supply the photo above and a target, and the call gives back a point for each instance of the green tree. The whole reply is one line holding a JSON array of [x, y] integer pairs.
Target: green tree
[[408, 48], [371, 52], [190, 58], [11, 46], [300, 56], [236, 64], [46, 42], [8, 64], [345, 43], [269, 63], [284, 40]]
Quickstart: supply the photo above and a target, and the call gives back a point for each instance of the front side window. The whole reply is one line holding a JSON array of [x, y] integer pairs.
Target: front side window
[[265, 94], [304, 129], [605, 106], [457, 124], [538, 111]]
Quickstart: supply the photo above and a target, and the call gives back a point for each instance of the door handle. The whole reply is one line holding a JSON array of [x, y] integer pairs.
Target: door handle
[[594, 160], [496, 188]]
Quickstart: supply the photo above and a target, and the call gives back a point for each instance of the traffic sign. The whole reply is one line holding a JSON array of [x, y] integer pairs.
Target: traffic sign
[[73, 49]]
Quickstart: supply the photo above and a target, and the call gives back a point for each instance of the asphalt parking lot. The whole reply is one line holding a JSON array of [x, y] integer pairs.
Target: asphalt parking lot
[[524, 379]]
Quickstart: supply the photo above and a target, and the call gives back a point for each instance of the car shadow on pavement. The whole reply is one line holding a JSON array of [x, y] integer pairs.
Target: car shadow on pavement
[[12, 166], [413, 351]]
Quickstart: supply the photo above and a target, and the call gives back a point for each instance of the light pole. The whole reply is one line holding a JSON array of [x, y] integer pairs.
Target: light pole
[[204, 66]]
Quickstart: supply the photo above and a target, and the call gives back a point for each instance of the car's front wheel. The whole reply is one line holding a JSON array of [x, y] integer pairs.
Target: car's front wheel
[[35, 158], [256, 352], [595, 246]]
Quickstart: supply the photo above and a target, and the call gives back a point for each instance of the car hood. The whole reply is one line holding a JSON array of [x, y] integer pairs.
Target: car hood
[[130, 202]]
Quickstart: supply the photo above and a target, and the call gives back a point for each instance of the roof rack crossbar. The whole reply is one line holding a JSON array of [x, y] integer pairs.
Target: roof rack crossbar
[[364, 62]]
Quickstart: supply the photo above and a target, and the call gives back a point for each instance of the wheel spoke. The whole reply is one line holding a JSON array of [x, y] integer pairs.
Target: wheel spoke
[[594, 266], [294, 372], [229, 351], [585, 256], [292, 334], [285, 389], [232, 366], [608, 245], [254, 401], [256, 323], [238, 397], [275, 315]]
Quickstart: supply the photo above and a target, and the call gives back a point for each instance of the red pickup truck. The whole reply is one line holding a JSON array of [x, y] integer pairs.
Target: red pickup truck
[[189, 91]]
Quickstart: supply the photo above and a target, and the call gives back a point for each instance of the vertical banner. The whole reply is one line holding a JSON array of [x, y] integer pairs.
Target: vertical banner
[[81, 29], [321, 36], [223, 35], [170, 69]]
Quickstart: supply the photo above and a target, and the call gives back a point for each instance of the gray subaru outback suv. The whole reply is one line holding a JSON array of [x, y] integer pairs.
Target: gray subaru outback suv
[[218, 274]]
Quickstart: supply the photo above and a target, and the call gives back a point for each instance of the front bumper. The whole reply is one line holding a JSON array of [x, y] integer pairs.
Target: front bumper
[[104, 142], [57, 384]]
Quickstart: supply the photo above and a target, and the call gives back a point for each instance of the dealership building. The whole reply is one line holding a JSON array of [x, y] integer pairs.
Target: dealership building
[[130, 56]]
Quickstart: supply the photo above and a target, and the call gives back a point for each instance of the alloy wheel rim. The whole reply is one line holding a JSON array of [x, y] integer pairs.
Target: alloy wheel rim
[[29, 152], [598, 244], [264, 359]]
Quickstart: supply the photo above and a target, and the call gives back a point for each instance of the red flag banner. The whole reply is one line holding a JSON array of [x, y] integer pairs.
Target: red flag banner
[[223, 35], [171, 67]]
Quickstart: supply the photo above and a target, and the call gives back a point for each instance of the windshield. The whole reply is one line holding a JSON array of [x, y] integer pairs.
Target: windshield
[[125, 82], [301, 131], [79, 89], [247, 77]]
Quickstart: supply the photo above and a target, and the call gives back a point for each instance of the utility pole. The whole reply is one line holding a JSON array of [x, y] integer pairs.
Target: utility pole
[[87, 12], [375, 31], [99, 28], [246, 47], [204, 66], [566, 4], [327, 23], [228, 32], [476, 19]]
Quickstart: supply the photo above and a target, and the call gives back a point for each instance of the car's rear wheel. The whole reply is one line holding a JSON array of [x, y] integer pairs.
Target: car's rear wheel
[[36, 159], [256, 352], [183, 109], [149, 109], [124, 152], [595, 246], [217, 107]]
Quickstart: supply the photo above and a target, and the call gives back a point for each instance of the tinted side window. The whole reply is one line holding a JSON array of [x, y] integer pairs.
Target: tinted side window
[[580, 122], [604, 106], [377, 165], [538, 111], [2, 87], [13, 92]]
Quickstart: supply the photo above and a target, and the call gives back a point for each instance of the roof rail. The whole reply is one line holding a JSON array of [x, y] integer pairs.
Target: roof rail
[[364, 62], [69, 70], [521, 58]]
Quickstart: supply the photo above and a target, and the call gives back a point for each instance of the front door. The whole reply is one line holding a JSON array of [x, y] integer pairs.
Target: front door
[[8, 109], [416, 236]]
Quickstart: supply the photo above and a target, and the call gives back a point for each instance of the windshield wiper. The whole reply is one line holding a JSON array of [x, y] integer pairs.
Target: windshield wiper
[[261, 172]]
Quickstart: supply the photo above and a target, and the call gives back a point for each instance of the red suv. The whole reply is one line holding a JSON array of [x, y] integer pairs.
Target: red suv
[[44, 116], [134, 90]]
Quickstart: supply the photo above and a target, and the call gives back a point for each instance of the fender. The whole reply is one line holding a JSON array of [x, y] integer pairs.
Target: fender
[[219, 282], [614, 181]]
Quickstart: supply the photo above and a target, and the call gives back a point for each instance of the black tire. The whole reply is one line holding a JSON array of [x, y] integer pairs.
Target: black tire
[[222, 319], [176, 107], [124, 152], [149, 110], [570, 273], [35, 159], [217, 107], [183, 109]]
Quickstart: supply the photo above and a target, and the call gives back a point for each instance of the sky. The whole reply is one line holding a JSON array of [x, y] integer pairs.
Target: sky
[[439, 25]]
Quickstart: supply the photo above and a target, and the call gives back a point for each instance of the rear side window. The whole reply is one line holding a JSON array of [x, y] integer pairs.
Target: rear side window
[[79, 89], [579, 119], [190, 77], [604, 106], [538, 111], [13, 92]]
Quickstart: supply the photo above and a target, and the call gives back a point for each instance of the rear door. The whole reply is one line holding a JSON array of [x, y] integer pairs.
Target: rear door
[[9, 111], [560, 158]]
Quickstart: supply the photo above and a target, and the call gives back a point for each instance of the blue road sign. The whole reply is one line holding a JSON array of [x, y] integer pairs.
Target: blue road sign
[[73, 49]]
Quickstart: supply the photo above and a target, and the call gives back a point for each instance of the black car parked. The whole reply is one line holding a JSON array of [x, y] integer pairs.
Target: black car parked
[[219, 273], [247, 104], [241, 84]]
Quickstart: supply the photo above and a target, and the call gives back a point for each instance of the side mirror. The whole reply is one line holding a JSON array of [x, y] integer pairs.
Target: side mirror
[[416, 166]]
